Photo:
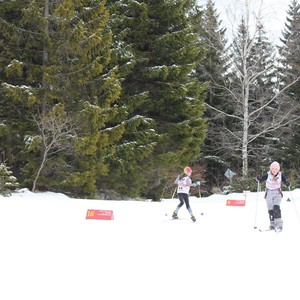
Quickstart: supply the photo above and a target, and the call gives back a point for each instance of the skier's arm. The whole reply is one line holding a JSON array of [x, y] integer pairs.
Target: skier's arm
[[191, 184], [285, 181], [196, 184], [262, 178]]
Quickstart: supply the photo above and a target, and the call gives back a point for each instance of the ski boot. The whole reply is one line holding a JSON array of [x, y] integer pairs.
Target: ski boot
[[193, 218], [175, 215], [271, 227]]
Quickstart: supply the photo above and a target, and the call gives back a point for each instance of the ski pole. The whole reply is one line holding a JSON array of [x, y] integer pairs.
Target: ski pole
[[174, 193], [256, 205], [296, 211], [162, 194], [163, 191]]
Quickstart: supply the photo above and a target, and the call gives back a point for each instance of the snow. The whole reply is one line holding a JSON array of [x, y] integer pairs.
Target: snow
[[49, 250]]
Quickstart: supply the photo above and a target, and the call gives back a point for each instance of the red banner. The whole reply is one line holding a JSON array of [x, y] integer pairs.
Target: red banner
[[230, 202], [96, 214]]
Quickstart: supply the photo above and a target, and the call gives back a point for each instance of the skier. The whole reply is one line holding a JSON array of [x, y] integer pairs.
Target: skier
[[184, 183], [274, 194]]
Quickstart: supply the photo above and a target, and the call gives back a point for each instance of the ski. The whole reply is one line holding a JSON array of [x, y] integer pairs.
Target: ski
[[180, 220], [167, 215], [277, 230], [264, 230], [177, 218]]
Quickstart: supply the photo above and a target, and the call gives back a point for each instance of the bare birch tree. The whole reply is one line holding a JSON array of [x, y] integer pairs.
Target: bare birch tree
[[257, 112], [56, 134]]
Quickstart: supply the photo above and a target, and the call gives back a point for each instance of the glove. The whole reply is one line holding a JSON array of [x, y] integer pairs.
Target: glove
[[197, 183]]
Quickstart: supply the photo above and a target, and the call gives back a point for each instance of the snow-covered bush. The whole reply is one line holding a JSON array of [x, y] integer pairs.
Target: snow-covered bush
[[7, 181]]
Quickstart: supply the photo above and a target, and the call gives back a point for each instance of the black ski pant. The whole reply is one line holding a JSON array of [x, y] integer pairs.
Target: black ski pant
[[184, 199]]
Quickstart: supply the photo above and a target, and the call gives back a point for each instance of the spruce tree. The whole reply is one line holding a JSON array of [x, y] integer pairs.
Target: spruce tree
[[166, 52], [16, 81], [7, 181], [138, 140], [213, 69], [289, 51], [64, 57]]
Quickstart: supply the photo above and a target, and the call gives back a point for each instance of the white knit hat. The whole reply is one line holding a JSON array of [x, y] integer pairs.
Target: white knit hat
[[275, 165]]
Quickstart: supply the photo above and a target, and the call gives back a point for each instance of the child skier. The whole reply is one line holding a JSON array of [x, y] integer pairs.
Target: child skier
[[184, 183], [274, 194]]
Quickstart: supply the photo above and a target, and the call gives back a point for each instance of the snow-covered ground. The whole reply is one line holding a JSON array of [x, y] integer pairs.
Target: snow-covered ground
[[49, 250]]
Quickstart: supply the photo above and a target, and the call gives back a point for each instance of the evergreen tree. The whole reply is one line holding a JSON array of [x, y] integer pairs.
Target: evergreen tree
[[63, 53], [213, 69], [166, 51], [7, 181], [139, 138], [289, 52], [59, 52], [16, 99]]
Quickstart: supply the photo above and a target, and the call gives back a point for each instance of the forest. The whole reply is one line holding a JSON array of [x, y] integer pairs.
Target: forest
[[111, 99]]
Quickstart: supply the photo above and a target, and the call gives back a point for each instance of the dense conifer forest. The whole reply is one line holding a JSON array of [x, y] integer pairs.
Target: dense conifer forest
[[113, 98]]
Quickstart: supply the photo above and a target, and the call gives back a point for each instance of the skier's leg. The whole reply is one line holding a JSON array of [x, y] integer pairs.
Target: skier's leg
[[277, 217], [181, 199], [175, 213], [277, 212], [269, 199], [187, 204], [271, 218]]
